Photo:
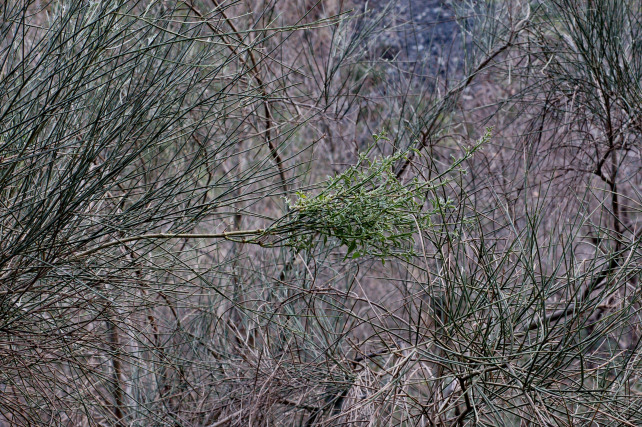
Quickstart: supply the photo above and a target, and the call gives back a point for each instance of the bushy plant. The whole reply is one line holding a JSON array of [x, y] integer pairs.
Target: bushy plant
[[369, 208]]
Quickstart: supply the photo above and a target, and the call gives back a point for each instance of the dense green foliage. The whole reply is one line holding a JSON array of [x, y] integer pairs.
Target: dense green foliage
[[369, 209]]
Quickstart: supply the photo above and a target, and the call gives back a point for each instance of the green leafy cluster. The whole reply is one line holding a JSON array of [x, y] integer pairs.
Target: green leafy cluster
[[368, 209]]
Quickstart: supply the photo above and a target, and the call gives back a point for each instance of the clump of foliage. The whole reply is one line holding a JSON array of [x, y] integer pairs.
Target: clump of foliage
[[369, 209]]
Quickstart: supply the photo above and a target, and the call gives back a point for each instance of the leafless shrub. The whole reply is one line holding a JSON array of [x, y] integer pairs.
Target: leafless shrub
[[150, 272]]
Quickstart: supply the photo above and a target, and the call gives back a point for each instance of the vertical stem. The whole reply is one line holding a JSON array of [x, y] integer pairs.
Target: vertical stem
[[114, 347]]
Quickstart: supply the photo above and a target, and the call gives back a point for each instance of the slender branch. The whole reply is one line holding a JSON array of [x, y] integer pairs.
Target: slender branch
[[226, 420], [253, 68], [458, 90], [228, 235], [597, 281], [117, 374]]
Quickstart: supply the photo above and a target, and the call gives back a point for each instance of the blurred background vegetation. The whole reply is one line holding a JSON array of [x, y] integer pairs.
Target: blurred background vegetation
[[320, 213]]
